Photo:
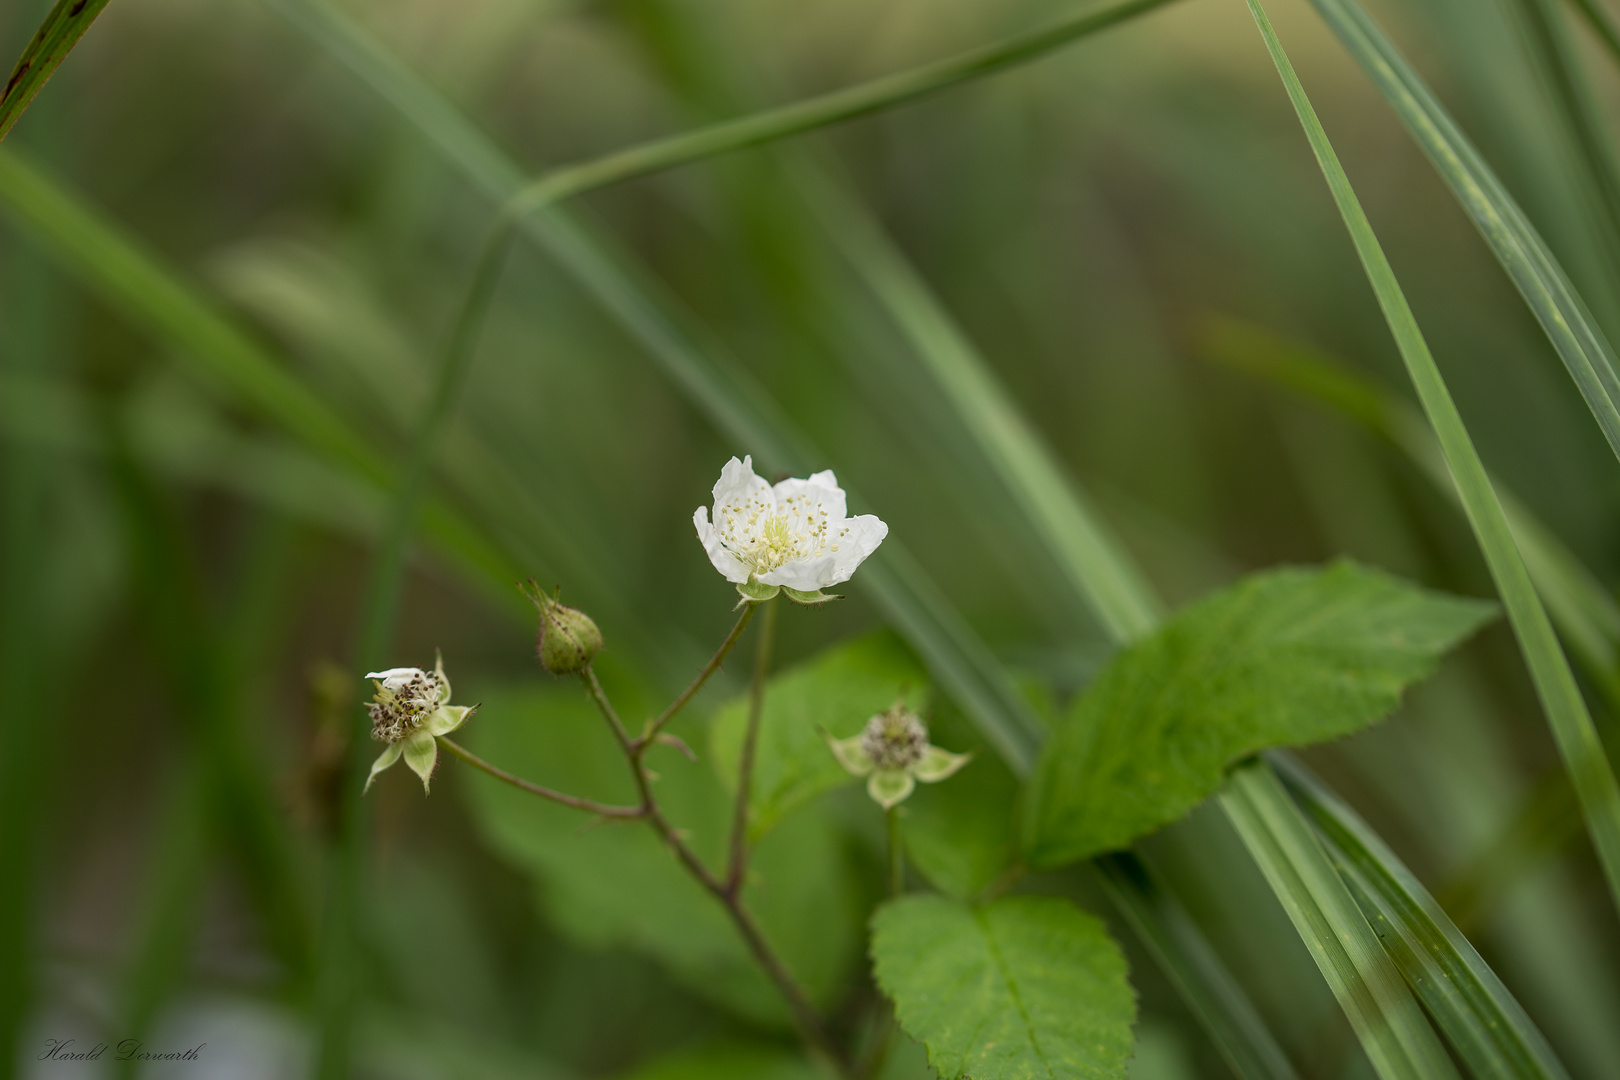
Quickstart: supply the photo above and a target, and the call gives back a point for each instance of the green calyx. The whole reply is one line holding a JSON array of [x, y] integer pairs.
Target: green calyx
[[568, 637], [754, 591]]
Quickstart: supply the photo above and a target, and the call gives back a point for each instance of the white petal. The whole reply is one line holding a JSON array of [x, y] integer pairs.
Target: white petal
[[397, 678], [849, 754], [806, 576], [724, 561], [384, 760], [820, 492], [421, 754], [865, 534], [936, 764]]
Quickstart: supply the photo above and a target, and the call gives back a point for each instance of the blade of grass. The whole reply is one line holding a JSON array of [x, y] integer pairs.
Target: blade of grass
[[1564, 317], [1190, 962], [338, 994], [139, 283], [1602, 22], [1392, 1028], [1586, 615], [1483, 1022], [57, 35], [1555, 684]]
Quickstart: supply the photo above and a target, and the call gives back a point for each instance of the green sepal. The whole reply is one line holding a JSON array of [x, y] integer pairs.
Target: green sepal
[[809, 599], [755, 593]]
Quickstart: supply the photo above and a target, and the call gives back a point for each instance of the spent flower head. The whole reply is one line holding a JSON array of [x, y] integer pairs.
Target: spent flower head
[[410, 710], [894, 752], [795, 536]]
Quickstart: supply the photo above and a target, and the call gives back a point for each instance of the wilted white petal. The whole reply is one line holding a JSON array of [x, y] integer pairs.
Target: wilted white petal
[[730, 567], [850, 754], [421, 754], [890, 786], [936, 764], [448, 718], [397, 678], [384, 760]]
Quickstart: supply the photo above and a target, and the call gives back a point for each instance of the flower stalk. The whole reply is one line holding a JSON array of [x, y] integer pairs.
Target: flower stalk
[[738, 865]]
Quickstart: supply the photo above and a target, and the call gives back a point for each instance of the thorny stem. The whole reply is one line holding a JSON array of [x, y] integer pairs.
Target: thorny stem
[[745, 767], [709, 669], [805, 1017], [588, 805]]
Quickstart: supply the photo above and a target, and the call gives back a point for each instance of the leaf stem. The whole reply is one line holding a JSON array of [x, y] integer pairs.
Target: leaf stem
[[745, 765], [590, 806], [709, 669]]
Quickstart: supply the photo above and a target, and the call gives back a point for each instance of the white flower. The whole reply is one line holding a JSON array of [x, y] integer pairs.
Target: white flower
[[409, 711], [795, 536], [894, 749]]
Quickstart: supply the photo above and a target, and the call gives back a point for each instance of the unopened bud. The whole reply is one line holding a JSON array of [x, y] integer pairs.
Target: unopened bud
[[568, 638]]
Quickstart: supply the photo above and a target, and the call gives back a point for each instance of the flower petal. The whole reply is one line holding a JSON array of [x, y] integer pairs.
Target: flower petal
[[396, 677], [862, 537], [890, 786], [737, 489], [384, 760], [849, 754], [807, 575], [936, 764], [730, 567], [446, 718], [421, 754], [820, 492]]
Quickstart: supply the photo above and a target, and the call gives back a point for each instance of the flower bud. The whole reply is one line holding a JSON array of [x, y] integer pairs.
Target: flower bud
[[568, 638]]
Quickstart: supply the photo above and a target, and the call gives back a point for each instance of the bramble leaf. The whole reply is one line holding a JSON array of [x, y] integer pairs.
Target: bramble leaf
[[1283, 658], [837, 690], [1026, 988]]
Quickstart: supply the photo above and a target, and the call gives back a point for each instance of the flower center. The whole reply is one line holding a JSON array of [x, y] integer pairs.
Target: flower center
[[401, 706], [766, 537], [895, 739]]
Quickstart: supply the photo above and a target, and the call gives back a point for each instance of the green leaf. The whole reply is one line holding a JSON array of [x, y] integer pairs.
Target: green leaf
[[618, 886], [56, 36], [836, 691], [1026, 987], [1283, 658], [1560, 697]]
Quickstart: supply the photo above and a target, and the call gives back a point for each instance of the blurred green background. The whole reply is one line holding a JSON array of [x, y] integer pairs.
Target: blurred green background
[[1116, 227]]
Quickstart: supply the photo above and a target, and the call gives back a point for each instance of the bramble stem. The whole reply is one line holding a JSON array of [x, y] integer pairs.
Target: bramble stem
[[710, 668], [588, 805], [805, 1018], [745, 766], [897, 867]]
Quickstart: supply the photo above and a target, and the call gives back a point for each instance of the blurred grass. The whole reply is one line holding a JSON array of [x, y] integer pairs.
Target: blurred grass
[[1073, 221]]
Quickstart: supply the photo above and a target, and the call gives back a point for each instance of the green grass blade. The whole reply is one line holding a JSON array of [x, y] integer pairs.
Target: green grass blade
[[1392, 1028], [1603, 24], [1480, 1018], [57, 35], [1092, 558], [1586, 615], [1555, 683], [1564, 317], [152, 294], [1190, 962]]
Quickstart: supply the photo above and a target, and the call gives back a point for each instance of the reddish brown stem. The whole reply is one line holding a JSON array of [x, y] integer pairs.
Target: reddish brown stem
[[588, 805], [640, 745]]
